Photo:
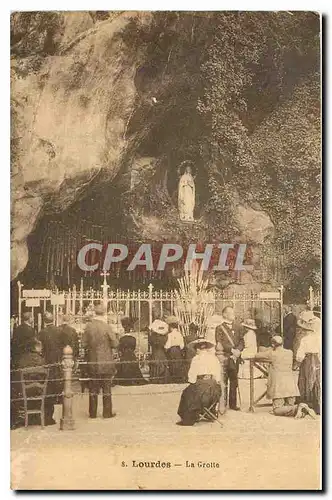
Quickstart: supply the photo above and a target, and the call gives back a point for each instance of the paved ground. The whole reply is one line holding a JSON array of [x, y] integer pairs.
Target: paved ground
[[254, 451]]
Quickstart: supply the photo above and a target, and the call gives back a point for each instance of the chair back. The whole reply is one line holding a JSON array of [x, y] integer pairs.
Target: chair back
[[34, 383]]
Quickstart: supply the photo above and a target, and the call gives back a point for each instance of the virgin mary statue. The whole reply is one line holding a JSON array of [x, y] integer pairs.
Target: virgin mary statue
[[186, 196]]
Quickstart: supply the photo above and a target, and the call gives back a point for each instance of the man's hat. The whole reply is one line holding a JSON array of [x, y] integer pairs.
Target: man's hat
[[159, 326], [250, 323]]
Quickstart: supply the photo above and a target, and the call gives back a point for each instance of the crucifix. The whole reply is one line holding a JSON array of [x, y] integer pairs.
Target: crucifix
[[105, 287]]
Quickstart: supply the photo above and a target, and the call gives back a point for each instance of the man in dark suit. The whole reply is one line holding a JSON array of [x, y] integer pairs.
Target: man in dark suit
[[229, 344], [52, 351], [289, 326], [23, 337], [68, 335], [99, 340]]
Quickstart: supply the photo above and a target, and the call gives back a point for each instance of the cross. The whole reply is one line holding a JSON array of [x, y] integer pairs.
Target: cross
[[105, 274]]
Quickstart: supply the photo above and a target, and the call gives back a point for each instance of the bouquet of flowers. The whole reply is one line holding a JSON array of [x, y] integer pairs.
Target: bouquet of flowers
[[193, 302]]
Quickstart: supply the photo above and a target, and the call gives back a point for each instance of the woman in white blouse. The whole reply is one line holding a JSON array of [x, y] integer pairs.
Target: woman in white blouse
[[174, 350], [308, 354], [204, 379]]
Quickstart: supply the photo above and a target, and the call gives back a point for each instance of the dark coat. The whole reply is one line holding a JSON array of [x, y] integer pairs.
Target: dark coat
[[23, 338], [99, 339], [263, 334], [223, 344], [159, 373], [289, 324], [68, 336], [128, 370], [52, 351], [52, 347]]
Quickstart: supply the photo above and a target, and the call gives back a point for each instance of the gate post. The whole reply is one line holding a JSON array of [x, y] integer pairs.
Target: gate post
[[281, 310], [251, 387], [67, 422], [150, 287]]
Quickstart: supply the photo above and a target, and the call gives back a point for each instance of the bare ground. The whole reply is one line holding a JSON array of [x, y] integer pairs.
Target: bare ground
[[254, 451]]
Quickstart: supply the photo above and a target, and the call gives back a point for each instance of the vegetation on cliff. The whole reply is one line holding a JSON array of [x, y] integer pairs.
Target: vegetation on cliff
[[235, 93]]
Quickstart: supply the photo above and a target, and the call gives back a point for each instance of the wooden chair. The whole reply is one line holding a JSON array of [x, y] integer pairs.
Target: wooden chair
[[34, 385]]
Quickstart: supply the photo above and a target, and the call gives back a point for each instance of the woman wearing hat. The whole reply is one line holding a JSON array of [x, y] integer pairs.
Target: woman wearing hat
[[174, 349], [308, 354], [281, 385], [204, 379], [159, 373]]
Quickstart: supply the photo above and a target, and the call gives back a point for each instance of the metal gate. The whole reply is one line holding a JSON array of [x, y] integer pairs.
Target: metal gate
[[143, 306]]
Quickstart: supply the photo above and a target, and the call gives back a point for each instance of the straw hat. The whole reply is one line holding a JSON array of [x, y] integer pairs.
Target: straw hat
[[171, 320], [277, 340], [250, 323], [159, 326], [201, 341], [307, 321]]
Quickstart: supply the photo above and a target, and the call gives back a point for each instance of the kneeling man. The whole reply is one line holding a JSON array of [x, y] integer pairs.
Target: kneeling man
[[281, 385], [204, 379]]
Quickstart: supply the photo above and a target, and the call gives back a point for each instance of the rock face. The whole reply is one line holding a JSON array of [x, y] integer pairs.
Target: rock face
[[70, 115], [69, 120]]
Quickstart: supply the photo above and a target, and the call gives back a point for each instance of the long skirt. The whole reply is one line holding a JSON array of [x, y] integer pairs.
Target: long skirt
[[128, 371], [195, 397], [309, 381], [176, 364], [159, 373]]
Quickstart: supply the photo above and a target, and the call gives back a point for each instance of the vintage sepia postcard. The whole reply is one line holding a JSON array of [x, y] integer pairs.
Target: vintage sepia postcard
[[165, 250]]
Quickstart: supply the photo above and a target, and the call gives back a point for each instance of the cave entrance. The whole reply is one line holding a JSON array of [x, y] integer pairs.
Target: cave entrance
[[102, 215]]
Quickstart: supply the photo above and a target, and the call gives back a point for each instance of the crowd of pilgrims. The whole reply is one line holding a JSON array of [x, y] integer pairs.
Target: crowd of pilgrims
[[210, 364]]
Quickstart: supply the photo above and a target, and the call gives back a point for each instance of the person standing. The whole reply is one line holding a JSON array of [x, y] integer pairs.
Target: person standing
[[52, 352], [281, 384], [174, 350], [308, 355], [263, 333], [249, 348], [289, 328], [128, 370], [68, 335], [24, 336], [204, 379], [159, 373], [99, 340], [229, 344]]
